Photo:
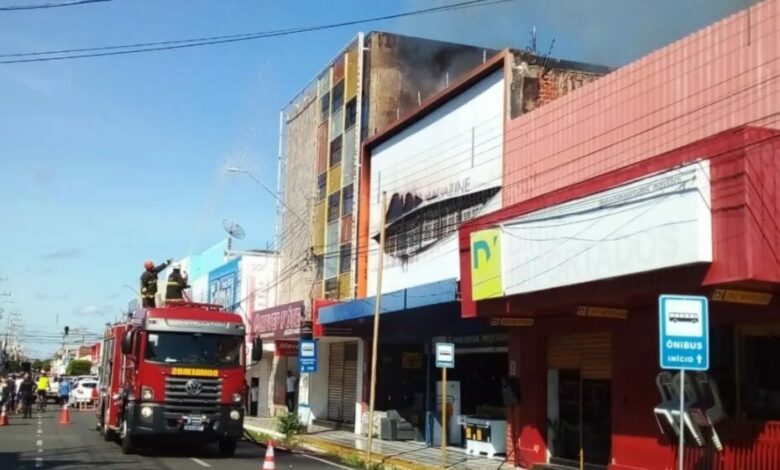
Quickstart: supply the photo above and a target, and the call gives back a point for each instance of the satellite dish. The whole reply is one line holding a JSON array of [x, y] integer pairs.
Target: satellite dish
[[233, 229]]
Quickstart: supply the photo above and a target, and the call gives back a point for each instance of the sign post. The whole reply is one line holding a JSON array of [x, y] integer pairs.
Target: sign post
[[684, 337], [445, 359], [307, 356]]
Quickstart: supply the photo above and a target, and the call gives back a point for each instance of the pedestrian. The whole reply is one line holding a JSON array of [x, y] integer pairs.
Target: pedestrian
[[149, 283], [26, 395], [10, 382], [177, 282], [54, 389], [290, 397], [6, 391], [17, 392], [64, 392], [41, 390]]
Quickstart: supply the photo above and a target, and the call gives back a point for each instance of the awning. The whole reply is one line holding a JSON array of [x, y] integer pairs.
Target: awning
[[392, 302]]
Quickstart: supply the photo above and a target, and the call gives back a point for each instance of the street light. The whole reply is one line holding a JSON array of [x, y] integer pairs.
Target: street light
[[234, 169]]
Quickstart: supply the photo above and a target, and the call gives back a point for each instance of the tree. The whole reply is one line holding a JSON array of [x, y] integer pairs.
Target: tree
[[79, 367]]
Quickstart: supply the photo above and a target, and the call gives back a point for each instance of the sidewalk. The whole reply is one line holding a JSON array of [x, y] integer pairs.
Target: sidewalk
[[401, 455]]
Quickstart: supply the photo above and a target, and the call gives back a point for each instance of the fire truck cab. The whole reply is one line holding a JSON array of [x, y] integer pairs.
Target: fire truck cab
[[175, 371]]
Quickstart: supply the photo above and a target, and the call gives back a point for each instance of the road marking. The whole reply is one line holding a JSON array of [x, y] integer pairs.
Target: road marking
[[325, 461], [39, 442], [40, 431], [200, 462], [40, 451], [38, 462]]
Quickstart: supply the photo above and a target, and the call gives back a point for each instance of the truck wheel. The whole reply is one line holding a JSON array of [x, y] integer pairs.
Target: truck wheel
[[227, 447], [108, 434], [126, 440]]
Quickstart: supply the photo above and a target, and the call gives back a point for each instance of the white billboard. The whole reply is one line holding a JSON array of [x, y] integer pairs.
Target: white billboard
[[654, 223], [439, 172]]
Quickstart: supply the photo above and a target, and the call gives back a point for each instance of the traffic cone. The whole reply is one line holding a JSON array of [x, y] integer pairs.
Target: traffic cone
[[269, 463], [4, 418], [65, 414]]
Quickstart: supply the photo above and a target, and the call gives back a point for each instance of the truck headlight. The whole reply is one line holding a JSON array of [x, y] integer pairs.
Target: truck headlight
[[147, 394], [146, 412], [235, 415], [236, 398]]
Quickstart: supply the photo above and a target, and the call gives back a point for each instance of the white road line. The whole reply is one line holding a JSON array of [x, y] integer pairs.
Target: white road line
[[39, 442], [38, 462], [40, 431], [200, 462], [40, 451], [325, 461]]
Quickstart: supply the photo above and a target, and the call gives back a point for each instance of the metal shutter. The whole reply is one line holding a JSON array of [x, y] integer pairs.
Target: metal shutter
[[335, 381], [591, 353], [349, 395]]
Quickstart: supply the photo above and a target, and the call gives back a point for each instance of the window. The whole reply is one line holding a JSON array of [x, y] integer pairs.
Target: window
[[335, 151], [347, 198], [322, 186], [345, 265], [319, 266], [194, 348], [332, 288], [333, 206], [338, 95], [324, 107], [351, 117]]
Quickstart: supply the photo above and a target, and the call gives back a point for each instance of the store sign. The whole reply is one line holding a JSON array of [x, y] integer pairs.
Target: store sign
[[223, 286], [684, 332], [511, 321], [602, 312], [286, 348], [280, 322], [486, 264], [741, 297]]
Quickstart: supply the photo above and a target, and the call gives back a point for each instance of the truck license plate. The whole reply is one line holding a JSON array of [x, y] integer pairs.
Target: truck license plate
[[193, 427]]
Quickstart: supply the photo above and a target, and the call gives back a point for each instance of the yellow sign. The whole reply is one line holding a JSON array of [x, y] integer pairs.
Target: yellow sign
[[602, 312], [741, 297], [486, 282], [509, 321], [194, 372]]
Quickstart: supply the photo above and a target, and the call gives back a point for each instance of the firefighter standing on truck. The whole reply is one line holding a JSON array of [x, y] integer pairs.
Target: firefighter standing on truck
[[177, 282], [149, 283]]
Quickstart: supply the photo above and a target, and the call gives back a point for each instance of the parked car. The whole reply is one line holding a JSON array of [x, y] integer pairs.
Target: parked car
[[83, 392]]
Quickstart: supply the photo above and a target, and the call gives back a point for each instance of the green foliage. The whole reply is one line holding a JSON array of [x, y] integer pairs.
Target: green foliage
[[289, 425], [353, 460], [78, 367]]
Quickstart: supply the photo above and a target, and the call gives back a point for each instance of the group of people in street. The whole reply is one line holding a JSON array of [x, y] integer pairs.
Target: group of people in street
[[19, 392], [174, 292]]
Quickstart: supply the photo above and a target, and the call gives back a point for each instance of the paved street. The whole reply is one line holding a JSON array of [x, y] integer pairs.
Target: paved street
[[43, 443]]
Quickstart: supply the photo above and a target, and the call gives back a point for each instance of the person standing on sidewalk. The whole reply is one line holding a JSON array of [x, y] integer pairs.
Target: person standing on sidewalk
[[26, 393], [290, 397]]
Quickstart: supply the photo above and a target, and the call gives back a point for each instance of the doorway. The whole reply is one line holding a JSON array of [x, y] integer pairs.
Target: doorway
[[579, 400]]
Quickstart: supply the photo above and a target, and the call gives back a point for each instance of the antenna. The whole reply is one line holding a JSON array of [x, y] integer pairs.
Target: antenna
[[234, 230]]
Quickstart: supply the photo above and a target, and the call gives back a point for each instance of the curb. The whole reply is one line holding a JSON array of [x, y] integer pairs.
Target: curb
[[317, 445]]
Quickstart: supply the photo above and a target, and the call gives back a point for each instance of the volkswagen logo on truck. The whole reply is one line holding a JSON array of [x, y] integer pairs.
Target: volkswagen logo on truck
[[193, 387]]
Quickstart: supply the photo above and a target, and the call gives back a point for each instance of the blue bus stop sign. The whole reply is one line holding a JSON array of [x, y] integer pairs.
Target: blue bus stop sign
[[684, 332], [307, 355]]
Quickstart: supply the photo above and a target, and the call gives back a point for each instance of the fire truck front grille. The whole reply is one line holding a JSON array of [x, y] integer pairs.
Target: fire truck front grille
[[181, 401]]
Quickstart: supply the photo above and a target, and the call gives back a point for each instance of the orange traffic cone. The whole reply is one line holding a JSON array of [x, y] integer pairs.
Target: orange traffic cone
[[269, 463], [65, 414], [4, 418]]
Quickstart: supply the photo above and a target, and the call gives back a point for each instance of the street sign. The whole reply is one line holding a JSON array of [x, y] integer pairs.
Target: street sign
[[307, 356], [445, 355], [684, 332]]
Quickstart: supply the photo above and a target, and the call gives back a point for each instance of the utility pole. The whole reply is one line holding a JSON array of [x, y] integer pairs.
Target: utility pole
[[375, 340]]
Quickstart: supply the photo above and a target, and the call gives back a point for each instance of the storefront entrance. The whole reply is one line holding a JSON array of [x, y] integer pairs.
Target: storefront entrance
[[342, 381], [579, 399]]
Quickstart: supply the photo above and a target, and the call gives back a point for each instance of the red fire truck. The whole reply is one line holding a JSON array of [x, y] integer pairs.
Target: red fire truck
[[175, 371]]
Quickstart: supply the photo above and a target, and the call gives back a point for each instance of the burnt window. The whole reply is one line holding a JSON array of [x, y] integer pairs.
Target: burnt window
[[351, 117], [338, 95], [324, 107], [345, 260], [322, 186], [335, 151], [348, 199], [333, 206]]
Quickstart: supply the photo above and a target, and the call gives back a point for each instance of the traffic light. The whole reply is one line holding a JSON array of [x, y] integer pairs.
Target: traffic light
[[67, 330]]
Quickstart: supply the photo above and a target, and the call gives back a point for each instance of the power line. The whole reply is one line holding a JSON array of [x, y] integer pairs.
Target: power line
[[41, 6], [88, 52]]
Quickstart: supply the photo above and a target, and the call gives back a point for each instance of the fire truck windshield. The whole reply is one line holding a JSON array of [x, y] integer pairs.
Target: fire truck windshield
[[194, 348]]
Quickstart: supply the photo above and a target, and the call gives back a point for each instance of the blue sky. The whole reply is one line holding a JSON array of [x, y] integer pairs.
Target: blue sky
[[106, 162]]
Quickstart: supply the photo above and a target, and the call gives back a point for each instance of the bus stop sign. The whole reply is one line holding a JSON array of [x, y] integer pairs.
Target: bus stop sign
[[684, 333]]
